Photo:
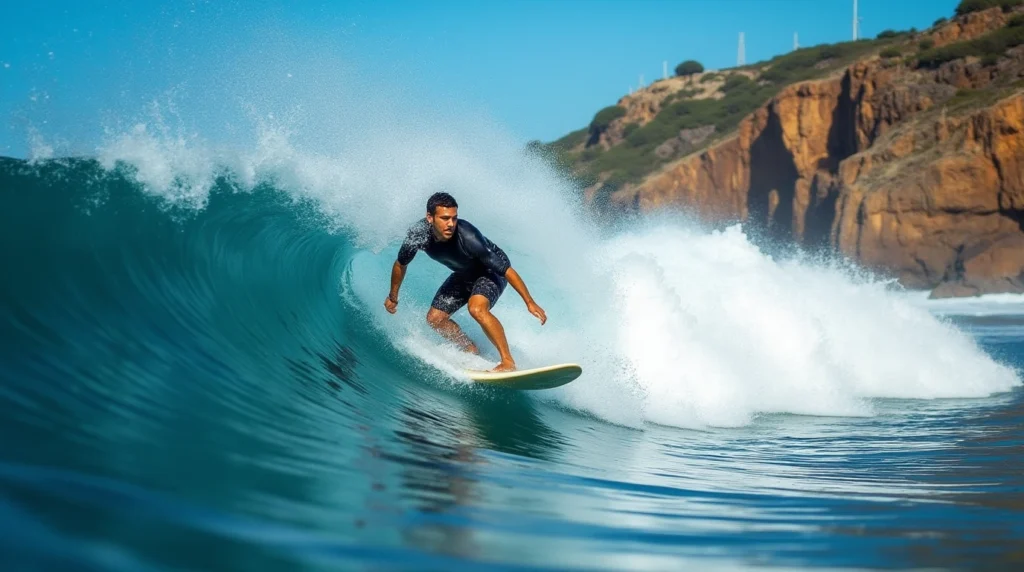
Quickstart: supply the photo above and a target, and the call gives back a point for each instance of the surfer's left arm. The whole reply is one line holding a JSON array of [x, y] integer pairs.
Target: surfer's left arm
[[517, 282], [500, 265]]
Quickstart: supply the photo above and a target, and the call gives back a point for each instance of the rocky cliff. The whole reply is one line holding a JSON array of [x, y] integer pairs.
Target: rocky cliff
[[916, 172]]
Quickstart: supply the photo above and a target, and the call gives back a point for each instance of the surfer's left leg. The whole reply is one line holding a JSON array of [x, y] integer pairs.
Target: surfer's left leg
[[486, 291], [480, 309]]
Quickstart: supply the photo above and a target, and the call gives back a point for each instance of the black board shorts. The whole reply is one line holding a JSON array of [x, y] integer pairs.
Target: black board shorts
[[455, 291]]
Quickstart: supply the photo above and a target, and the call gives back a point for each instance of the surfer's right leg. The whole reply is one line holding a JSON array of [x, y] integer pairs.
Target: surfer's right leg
[[444, 325], [452, 295]]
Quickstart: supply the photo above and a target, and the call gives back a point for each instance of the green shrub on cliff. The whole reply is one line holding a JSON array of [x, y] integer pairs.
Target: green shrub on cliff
[[604, 117], [808, 63], [684, 94], [1016, 22], [968, 6], [939, 22], [591, 153], [890, 53], [969, 99], [994, 43], [736, 82], [569, 141]]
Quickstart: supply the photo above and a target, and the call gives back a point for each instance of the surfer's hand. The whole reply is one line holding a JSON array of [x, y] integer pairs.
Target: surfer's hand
[[537, 311], [390, 305]]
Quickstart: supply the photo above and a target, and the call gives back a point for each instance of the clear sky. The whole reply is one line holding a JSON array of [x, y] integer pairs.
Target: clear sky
[[540, 68]]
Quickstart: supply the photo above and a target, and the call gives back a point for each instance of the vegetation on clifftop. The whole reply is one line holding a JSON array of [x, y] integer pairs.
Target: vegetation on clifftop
[[968, 6], [602, 119], [994, 43], [704, 108], [636, 155]]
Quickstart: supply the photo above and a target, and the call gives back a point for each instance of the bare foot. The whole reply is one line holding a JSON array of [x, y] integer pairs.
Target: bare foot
[[504, 366]]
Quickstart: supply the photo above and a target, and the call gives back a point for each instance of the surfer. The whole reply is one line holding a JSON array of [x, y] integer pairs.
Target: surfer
[[480, 271]]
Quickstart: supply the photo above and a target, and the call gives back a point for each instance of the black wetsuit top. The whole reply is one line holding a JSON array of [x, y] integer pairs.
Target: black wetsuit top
[[468, 252]]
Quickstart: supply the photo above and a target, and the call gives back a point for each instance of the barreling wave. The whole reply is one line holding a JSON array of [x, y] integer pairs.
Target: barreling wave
[[137, 291], [121, 301]]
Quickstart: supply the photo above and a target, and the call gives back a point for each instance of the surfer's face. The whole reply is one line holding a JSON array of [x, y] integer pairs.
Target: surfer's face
[[443, 220]]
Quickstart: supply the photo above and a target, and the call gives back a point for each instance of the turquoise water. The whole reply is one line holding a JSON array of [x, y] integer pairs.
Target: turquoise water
[[216, 388]]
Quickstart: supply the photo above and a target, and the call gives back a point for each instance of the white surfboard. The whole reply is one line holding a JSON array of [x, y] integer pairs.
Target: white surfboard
[[529, 379]]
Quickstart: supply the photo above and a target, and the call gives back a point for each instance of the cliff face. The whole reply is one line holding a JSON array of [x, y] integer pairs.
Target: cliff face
[[941, 203], [884, 164]]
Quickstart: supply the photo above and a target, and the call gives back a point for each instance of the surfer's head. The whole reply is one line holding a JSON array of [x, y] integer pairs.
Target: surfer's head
[[442, 214]]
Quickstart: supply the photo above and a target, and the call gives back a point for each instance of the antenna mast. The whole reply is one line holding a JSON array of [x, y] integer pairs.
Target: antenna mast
[[741, 57], [855, 20]]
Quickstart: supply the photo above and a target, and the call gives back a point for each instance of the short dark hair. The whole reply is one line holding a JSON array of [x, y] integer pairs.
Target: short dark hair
[[441, 200]]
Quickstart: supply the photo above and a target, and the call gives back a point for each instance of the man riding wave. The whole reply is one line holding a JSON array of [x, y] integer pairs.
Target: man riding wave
[[480, 271]]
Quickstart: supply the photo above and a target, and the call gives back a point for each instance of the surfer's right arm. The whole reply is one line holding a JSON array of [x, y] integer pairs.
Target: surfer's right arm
[[397, 275], [405, 255]]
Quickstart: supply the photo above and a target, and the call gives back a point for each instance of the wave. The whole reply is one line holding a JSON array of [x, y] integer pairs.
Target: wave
[[171, 258]]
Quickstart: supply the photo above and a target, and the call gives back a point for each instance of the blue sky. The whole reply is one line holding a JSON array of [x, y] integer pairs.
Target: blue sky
[[539, 68]]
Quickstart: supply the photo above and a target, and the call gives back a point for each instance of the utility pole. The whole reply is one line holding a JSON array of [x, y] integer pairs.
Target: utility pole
[[854, 20], [741, 57]]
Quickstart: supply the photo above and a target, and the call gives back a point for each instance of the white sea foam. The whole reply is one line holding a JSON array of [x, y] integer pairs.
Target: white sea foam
[[984, 305]]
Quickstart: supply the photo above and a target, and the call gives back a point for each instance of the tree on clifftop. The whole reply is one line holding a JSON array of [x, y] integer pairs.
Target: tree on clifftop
[[688, 68]]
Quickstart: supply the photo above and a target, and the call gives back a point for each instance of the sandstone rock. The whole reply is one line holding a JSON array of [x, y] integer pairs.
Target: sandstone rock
[[968, 26], [964, 74], [684, 142], [668, 148], [954, 290], [986, 267], [694, 137]]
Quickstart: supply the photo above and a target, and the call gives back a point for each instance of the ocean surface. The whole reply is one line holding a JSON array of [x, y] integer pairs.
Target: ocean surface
[[197, 373]]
